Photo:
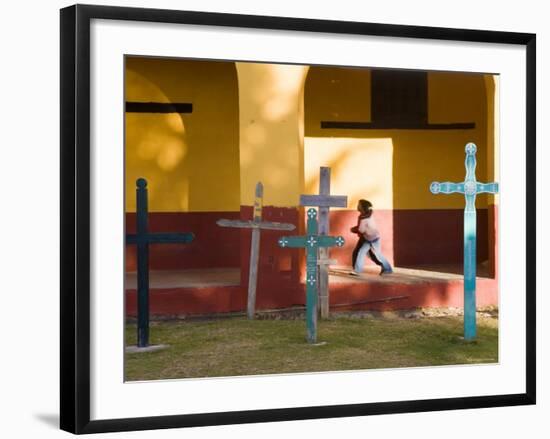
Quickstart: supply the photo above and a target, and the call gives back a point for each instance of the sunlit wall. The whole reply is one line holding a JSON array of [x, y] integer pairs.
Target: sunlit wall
[[393, 168], [191, 160]]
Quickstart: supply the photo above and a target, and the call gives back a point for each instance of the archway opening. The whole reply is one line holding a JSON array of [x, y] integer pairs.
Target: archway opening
[[182, 136]]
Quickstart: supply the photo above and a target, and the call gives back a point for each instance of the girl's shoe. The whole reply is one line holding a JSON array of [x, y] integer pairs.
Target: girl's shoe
[[384, 272]]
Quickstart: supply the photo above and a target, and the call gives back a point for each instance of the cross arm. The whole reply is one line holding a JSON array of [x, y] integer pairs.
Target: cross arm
[[330, 241], [161, 238], [267, 225], [292, 241], [490, 188], [446, 187], [240, 224], [324, 200], [270, 225]]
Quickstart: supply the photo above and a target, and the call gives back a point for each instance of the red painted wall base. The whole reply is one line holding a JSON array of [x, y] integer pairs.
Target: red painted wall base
[[409, 237], [213, 245], [182, 302]]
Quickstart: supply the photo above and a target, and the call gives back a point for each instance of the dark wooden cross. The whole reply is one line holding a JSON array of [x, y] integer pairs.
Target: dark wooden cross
[[142, 239], [256, 224], [312, 242], [324, 201]]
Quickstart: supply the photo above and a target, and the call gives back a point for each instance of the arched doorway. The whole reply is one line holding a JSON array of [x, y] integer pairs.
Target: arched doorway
[[183, 137]]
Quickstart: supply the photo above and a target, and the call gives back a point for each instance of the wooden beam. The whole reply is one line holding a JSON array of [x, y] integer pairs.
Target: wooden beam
[[254, 252], [324, 200], [271, 225], [325, 262], [158, 107], [265, 225], [160, 238], [324, 190], [343, 125]]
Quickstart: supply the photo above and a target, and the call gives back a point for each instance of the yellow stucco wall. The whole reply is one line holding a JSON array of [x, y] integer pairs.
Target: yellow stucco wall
[[271, 120], [393, 168], [261, 122], [492, 84], [191, 161]]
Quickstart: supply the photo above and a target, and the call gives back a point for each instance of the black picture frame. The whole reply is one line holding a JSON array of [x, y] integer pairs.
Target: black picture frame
[[75, 217]]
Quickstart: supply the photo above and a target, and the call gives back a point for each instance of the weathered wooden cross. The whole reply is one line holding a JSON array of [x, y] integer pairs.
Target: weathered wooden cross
[[312, 242], [470, 188], [256, 224], [324, 201], [142, 239]]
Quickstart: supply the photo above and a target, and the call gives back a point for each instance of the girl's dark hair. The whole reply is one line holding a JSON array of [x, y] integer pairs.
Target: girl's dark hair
[[366, 207]]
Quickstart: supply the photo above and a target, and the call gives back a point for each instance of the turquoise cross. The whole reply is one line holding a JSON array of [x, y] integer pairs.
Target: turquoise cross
[[470, 188], [312, 242]]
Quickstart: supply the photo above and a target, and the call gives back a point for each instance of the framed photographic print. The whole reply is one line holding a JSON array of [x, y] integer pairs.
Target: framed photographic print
[[305, 218]]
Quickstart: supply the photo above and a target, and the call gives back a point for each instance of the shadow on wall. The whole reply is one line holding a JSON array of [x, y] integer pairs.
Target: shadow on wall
[[190, 160], [435, 235], [271, 138]]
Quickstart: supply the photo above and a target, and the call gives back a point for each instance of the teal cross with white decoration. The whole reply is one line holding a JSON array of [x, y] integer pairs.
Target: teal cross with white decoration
[[312, 242], [470, 188]]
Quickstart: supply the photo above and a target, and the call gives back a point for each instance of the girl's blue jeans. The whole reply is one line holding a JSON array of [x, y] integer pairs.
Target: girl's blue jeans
[[375, 246]]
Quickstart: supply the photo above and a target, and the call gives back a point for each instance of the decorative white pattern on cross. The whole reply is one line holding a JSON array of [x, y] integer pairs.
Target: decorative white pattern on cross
[[470, 187], [311, 241], [311, 280], [339, 241], [283, 242], [471, 148], [435, 187]]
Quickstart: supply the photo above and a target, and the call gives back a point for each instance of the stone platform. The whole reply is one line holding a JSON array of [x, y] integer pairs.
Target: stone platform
[[181, 293]]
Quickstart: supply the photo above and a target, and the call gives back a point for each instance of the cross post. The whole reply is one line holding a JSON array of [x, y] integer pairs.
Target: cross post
[[470, 188], [312, 242], [256, 225], [324, 201], [142, 239]]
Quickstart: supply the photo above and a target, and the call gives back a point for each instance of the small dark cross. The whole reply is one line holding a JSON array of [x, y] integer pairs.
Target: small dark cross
[[324, 201], [256, 225], [142, 239], [312, 242]]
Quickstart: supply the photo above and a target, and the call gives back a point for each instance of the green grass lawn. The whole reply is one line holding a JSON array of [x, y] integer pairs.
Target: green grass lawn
[[236, 346]]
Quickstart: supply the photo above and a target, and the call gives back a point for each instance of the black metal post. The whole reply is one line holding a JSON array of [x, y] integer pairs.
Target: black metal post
[[142, 264]]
